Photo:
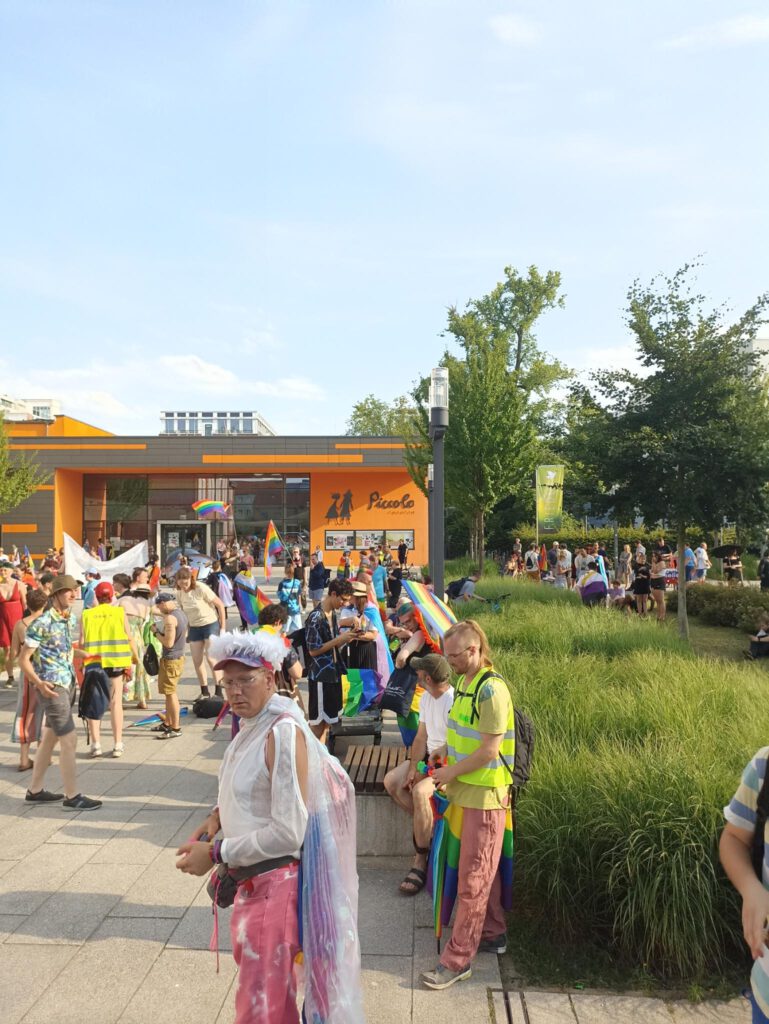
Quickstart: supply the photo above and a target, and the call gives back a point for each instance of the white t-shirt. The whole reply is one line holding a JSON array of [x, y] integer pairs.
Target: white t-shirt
[[435, 715], [468, 589], [701, 558]]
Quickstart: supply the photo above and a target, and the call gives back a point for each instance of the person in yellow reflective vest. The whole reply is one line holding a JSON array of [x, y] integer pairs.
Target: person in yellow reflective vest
[[480, 746], [108, 644]]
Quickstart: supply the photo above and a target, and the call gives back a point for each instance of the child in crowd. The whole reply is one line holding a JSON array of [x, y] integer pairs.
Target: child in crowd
[[615, 596]]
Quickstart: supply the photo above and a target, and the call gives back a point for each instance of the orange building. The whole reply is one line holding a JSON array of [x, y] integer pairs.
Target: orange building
[[329, 492]]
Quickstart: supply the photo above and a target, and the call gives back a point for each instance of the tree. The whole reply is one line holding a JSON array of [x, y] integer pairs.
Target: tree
[[498, 390], [19, 477], [373, 417], [687, 441]]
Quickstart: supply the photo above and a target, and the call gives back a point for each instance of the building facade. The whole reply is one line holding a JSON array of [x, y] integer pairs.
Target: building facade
[[327, 492], [207, 423]]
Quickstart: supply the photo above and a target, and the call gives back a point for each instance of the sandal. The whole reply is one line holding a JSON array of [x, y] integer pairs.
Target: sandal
[[26, 767], [414, 882]]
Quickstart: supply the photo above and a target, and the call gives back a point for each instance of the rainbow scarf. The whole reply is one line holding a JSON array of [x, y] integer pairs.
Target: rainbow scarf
[[208, 507], [273, 546], [443, 862], [248, 597], [361, 689]]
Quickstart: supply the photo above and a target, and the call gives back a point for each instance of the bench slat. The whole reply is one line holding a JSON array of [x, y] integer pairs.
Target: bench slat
[[365, 761]]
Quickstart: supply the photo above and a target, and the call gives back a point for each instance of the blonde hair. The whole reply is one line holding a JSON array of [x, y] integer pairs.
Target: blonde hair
[[467, 626]]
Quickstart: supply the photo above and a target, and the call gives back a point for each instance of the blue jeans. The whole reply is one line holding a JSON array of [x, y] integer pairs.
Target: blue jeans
[[759, 1017]]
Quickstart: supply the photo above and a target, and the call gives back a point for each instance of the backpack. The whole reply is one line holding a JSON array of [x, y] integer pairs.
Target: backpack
[[207, 707], [398, 695], [95, 693], [455, 588], [525, 735], [762, 813]]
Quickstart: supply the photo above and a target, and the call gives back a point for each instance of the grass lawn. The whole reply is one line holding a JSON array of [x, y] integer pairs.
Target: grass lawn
[[641, 739]]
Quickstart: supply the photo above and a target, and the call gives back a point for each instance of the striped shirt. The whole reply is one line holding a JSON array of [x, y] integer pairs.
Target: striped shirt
[[741, 812]]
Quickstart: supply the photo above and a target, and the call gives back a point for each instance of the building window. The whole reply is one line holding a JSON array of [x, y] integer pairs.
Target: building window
[[221, 423], [234, 423], [248, 423], [181, 425], [169, 424], [193, 425], [208, 428], [42, 412]]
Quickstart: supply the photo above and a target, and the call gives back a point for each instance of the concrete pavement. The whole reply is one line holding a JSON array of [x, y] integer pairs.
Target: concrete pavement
[[97, 926]]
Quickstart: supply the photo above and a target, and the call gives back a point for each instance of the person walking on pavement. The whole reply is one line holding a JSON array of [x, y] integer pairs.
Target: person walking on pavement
[[107, 643], [481, 752], [46, 661]]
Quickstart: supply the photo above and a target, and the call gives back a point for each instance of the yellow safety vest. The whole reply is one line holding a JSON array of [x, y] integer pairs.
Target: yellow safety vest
[[104, 637], [463, 737]]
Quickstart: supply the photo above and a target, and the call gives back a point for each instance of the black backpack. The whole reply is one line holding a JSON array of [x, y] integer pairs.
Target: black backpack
[[525, 735], [95, 693], [455, 588], [762, 813], [399, 692], [207, 707]]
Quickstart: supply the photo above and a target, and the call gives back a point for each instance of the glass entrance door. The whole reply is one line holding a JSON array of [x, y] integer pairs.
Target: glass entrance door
[[193, 540]]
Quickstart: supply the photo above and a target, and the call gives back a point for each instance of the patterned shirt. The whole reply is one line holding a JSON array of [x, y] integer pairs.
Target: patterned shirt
[[52, 638], [317, 632], [741, 812]]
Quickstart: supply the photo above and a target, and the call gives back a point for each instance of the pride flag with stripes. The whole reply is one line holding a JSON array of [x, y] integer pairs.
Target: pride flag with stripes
[[361, 688], [273, 546], [248, 597], [207, 507]]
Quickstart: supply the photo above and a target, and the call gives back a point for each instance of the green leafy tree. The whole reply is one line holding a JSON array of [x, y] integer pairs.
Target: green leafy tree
[[373, 417], [19, 476], [685, 442], [499, 390]]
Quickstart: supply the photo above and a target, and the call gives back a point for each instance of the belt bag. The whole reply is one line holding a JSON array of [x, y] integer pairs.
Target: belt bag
[[223, 881]]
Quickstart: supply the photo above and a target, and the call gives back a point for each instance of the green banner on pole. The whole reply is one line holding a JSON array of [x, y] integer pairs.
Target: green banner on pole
[[549, 499]]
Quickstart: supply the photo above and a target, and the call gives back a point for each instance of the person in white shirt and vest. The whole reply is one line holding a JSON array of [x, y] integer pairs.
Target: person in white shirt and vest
[[480, 749], [108, 645]]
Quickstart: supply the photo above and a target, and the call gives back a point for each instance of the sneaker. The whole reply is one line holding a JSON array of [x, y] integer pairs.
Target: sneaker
[[119, 750], [496, 945], [42, 797], [442, 977], [95, 750], [169, 734], [81, 803]]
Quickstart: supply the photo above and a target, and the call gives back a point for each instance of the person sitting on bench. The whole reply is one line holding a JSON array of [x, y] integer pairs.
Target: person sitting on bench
[[410, 789]]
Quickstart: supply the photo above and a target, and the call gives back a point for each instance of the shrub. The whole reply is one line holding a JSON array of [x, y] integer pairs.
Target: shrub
[[639, 746], [724, 606]]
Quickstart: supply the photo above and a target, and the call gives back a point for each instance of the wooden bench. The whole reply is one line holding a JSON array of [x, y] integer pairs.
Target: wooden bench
[[367, 766]]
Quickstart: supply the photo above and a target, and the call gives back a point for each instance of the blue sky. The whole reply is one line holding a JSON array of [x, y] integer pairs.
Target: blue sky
[[270, 205]]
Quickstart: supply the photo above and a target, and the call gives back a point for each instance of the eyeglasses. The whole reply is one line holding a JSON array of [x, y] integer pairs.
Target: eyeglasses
[[458, 654], [243, 684]]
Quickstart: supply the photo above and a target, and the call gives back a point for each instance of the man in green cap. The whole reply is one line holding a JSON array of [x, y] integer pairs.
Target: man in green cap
[[46, 661]]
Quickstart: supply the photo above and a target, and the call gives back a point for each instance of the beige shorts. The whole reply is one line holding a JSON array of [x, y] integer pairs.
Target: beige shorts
[[169, 674]]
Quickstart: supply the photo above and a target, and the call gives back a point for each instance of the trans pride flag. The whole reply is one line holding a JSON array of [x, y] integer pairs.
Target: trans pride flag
[[248, 597], [273, 546]]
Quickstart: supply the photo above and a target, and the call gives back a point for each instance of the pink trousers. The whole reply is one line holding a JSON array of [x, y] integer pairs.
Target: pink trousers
[[478, 912], [265, 941]]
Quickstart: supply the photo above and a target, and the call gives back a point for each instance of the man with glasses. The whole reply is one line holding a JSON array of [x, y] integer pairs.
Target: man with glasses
[[46, 662], [282, 798], [324, 641], [481, 751]]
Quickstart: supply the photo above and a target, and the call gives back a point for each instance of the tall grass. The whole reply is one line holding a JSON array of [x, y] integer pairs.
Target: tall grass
[[639, 746]]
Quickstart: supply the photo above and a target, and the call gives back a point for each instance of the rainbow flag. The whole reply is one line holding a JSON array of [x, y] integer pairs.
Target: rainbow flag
[[207, 507], [248, 597], [273, 546], [443, 862], [436, 615], [361, 689]]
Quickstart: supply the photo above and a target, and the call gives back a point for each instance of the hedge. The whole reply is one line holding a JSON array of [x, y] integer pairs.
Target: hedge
[[723, 606]]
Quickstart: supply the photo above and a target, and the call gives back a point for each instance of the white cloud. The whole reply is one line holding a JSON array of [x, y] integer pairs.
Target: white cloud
[[514, 30], [738, 31]]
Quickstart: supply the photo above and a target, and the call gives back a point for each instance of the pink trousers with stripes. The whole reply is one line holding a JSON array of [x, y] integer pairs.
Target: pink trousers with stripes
[[265, 941]]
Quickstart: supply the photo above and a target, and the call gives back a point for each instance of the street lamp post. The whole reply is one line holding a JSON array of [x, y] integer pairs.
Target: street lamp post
[[430, 523], [439, 423]]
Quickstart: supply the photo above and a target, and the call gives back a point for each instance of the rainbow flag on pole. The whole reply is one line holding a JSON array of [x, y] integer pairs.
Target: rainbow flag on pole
[[248, 597], [207, 508], [273, 546]]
